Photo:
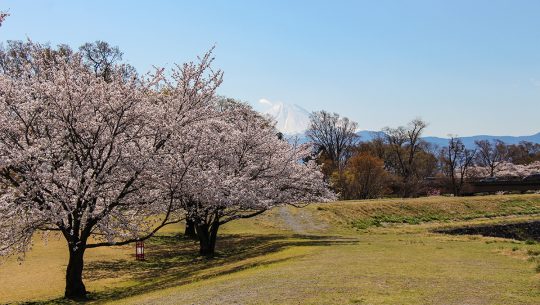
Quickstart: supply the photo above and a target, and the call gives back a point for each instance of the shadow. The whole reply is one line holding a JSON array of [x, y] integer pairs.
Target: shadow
[[524, 231], [174, 261]]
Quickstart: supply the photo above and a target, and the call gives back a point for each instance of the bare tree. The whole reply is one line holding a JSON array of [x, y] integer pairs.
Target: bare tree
[[334, 135], [100, 57], [524, 153], [456, 161], [405, 148], [491, 154]]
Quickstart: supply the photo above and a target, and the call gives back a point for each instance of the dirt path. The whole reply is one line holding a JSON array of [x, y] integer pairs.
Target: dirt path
[[301, 222]]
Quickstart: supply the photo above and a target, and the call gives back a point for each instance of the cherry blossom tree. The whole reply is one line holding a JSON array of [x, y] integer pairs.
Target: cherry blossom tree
[[245, 169], [3, 16], [506, 170], [90, 158]]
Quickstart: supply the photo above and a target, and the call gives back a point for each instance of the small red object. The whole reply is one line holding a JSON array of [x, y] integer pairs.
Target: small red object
[[139, 250]]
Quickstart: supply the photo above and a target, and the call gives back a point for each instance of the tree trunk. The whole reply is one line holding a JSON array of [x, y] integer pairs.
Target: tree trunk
[[407, 188], [190, 229], [75, 288], [207, 238], [492, 171]]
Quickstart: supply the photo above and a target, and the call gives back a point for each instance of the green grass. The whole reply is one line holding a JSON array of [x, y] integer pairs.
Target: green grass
[[312, 256], [376, 213]]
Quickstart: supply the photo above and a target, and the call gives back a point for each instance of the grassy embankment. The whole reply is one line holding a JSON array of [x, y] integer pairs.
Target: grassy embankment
[[365, 252]]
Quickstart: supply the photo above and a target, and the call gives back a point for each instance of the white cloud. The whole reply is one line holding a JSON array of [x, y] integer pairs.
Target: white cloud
[[265, 102]]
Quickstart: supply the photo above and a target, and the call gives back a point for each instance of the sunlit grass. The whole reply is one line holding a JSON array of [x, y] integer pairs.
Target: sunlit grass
[[311, 256]]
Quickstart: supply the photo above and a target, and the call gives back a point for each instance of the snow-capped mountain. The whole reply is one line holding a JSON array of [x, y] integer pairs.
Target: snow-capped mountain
[[290, 119], [293, 120]]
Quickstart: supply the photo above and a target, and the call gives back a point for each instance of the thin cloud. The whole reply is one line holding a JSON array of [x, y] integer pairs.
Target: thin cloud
[[265, 102]]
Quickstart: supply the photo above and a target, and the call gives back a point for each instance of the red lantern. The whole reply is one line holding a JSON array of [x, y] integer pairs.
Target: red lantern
[[139, 250]]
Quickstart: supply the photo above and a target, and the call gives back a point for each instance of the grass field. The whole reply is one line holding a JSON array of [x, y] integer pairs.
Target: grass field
[[364, 252]]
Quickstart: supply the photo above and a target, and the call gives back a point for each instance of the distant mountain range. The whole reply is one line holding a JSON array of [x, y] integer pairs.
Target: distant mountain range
[[293, 120], [468, 141]]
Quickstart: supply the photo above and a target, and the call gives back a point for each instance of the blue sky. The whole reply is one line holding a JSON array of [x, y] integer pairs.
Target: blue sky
[[466, 67]]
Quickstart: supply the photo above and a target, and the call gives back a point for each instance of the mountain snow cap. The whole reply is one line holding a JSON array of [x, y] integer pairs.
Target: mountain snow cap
[[290, 119]]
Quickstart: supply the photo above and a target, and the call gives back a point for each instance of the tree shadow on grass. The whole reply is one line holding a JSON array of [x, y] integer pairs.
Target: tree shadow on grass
[[174, 261], [526, 231]]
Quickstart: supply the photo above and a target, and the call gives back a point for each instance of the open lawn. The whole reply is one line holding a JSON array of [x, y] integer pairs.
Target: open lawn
[[364, 252]]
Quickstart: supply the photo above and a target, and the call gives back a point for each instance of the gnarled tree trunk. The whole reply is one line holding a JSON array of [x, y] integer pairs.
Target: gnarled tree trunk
[[207, 235], [190, 231], [75, 288]]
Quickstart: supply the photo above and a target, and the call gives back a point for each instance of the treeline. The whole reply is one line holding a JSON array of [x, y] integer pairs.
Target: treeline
[[398, 162]]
